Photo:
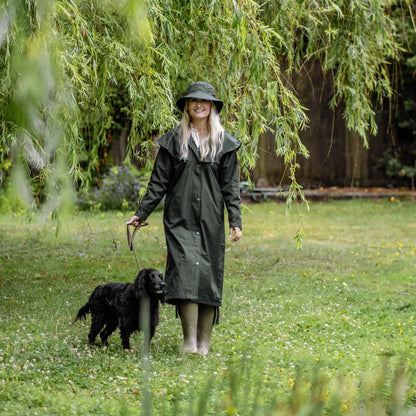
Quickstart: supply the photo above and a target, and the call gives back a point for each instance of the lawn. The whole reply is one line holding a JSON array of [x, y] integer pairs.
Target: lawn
[[325, 329]]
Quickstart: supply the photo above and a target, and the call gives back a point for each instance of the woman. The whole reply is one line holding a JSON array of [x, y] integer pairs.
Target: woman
[[197, 169]]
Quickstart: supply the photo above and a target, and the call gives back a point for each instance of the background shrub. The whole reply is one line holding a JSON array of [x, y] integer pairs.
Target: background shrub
[[120, 188]]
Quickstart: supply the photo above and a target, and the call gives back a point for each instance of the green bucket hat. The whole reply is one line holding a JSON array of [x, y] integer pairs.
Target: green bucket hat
[[201, 90]]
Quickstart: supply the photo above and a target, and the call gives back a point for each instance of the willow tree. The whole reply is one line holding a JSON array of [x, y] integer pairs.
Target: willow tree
[[71, 70], [355, 43]]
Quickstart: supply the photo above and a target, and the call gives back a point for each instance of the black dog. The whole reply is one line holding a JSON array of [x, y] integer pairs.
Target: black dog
[[121, 305]]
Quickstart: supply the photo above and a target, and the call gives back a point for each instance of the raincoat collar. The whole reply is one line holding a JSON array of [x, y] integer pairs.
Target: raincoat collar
[[171, 142]]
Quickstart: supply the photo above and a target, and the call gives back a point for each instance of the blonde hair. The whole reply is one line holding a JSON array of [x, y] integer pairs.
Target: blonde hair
[[208, 146]]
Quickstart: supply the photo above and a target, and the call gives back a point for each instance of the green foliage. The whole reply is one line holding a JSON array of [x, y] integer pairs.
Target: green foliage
[[326, 330], [399, 159], [399, 174], [231, 47], [75, 73], [11, 201], [354, 42], [120, 188]]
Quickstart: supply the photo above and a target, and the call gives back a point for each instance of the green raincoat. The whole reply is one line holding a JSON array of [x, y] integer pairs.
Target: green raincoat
[[196, 192]]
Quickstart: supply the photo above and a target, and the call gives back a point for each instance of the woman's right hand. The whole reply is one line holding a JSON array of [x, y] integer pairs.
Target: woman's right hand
[[135, 221]]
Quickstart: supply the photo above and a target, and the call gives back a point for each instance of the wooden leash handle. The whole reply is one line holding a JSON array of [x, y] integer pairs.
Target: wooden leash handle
[[130, 239]]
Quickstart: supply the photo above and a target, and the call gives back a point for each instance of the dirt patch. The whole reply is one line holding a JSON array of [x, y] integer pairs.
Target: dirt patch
[[322, 194]]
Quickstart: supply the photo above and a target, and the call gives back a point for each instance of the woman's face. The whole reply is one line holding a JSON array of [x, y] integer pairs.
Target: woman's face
[[199, 109]]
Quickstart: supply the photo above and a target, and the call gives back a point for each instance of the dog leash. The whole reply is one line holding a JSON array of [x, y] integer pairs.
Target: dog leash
[[130, 239]]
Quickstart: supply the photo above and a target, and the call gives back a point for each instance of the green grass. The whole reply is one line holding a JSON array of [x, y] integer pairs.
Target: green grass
[[328, 329]]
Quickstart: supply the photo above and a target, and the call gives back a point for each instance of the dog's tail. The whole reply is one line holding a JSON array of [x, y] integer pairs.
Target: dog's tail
[[82, 313]]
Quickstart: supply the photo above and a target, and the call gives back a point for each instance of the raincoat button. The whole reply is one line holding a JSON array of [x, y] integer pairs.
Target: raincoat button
[[197, 263]]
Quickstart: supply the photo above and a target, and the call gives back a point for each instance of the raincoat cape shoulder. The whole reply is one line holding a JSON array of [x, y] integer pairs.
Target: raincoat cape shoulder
[[171, 142]]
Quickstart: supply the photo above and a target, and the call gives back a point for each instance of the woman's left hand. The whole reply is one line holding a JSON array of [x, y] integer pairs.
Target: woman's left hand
[[235, 234]]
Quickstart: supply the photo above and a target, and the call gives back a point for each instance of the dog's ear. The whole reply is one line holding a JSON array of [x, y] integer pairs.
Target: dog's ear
[[139, 283]]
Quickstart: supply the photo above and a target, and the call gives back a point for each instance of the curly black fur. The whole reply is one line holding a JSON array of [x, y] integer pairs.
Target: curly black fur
[[119, 305]]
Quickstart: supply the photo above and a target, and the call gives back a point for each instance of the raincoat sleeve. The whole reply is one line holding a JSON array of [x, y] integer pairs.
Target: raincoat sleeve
[[230, 187], [158, 184]]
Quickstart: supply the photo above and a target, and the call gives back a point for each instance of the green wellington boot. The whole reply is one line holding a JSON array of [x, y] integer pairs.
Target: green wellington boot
[[204, 331], [188, 312]]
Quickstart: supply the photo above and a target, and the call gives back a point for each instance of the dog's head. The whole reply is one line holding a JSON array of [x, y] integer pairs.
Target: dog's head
[[151, 282]]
